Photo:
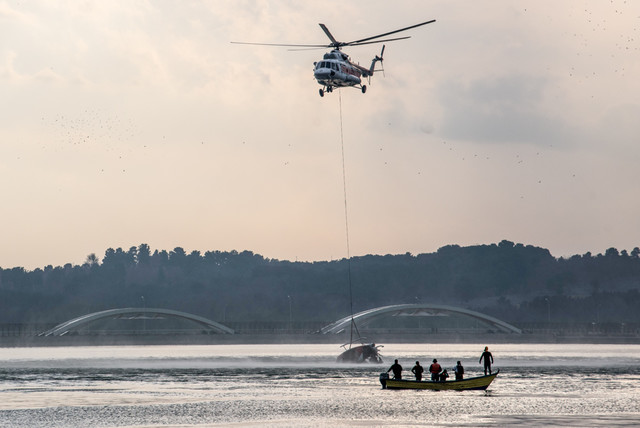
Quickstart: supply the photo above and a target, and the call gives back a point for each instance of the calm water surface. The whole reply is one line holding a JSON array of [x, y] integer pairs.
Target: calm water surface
[[300, 385]]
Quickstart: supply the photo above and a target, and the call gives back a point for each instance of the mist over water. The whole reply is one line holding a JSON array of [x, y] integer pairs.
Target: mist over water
[[301, 385]]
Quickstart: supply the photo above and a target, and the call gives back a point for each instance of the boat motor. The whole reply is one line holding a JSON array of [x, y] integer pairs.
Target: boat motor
[[383, 379]]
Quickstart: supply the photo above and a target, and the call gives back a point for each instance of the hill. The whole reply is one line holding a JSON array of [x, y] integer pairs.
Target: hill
[[513, 282]]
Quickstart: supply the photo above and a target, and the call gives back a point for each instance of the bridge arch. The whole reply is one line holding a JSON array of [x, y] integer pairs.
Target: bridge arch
[[364, 318], [134, 313]]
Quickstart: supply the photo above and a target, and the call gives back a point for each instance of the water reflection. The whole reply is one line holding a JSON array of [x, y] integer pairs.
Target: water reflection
[[300, 385]]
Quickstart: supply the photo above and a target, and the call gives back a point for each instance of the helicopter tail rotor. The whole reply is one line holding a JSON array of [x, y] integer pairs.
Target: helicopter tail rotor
[[373, 64], [379, 58]]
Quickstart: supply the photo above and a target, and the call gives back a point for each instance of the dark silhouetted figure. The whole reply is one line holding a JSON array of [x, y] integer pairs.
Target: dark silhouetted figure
[[417, 370], [396, 369], [435, 370], [488, 360], [444, 375], [459, 371]]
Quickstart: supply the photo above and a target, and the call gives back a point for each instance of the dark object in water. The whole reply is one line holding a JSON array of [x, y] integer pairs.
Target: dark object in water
[[361, 354]]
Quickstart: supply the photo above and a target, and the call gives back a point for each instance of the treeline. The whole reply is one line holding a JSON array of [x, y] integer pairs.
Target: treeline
[[511, 281]]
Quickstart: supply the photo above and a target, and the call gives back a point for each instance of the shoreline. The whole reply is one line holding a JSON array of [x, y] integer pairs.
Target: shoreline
[[264, 339]]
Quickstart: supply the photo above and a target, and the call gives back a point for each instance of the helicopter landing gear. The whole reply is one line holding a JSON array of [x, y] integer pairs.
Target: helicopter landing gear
[[327, 89], [364, 88]]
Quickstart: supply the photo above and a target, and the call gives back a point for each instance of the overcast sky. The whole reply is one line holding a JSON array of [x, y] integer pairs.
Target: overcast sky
[[129, 122]]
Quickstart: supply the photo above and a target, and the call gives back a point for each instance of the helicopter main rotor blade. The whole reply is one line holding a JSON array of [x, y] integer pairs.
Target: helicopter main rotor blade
[[308, 49], [334, 42], [282, 45], [359, 44], [387, 34], [381, 41]]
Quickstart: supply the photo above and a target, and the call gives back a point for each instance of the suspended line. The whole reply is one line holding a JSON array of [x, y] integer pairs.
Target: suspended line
[[346, 224]]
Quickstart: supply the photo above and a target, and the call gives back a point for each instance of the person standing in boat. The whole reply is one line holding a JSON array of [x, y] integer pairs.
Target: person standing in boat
[[418, 370], [435, 370], [396, 369], [488, 360], [459, 371]]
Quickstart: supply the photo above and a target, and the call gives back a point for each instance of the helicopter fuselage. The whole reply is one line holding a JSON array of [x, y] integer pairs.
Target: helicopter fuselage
[[336, 70]]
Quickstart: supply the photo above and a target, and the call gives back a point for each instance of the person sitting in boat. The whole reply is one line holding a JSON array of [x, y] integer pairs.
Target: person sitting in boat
[[435, 370], [396, 369], [459, 371], [444, 375], [417, 370], [488, 360]]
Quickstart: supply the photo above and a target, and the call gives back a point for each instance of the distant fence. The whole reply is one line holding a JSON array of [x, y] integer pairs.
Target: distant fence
[[284, 327], [244, 327], [22, 330], [275, 327], [581, 329]]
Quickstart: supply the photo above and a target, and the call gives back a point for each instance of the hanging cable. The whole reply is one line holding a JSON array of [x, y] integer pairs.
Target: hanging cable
[[346, 224]]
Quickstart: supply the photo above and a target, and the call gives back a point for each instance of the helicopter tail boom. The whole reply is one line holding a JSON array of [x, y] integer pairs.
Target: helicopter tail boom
[[369, 72]]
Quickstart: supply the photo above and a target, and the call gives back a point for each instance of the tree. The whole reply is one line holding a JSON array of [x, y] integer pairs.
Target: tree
[[611, 252], [144, 254], [177, 255], [92, 260], [204, 283]]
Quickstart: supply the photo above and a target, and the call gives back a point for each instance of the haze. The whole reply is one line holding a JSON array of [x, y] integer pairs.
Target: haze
[[138, 122]]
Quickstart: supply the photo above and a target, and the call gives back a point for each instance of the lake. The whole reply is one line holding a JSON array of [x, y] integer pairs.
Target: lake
[[301, 385]]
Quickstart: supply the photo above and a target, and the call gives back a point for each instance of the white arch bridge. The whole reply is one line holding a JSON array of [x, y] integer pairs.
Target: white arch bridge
[[364, 318], [132, 314]]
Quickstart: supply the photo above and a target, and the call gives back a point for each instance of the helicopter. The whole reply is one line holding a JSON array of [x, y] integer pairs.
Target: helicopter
[[336, 70]]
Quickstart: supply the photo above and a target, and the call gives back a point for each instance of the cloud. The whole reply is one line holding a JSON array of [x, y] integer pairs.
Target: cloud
[[620, 126], [11, 15], [509, 109], [156, 89]]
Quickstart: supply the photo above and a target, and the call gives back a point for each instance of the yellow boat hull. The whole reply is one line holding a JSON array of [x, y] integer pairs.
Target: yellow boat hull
[[474, 383]]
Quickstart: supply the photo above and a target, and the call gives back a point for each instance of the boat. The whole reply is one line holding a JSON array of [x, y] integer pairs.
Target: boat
[[365, 353], [473, 383]]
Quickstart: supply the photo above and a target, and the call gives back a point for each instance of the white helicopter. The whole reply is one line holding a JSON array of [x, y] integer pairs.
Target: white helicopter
[[336, 69]]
